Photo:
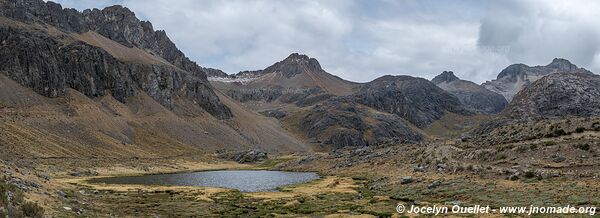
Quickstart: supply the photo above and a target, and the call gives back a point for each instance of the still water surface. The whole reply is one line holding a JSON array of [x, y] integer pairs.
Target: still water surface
[[243, 180]]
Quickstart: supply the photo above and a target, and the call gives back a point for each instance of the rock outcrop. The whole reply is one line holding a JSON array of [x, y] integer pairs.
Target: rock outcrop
[[42, 49], [211, 72], [297, 79], [414, 99], [293, 65], [298, 71], [558, 95], [517, 76], [247, 156], [339, 122], [473, 96]]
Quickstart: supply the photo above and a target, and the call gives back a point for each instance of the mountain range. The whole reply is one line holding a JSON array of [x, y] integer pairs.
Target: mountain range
[[110, 54], [101, 89], [513, 78]]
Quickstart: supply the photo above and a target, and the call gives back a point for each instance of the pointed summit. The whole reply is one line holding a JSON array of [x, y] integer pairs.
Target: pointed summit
[[297, 57], [562, 64], [295, 64], [446, 76], [299, 71]]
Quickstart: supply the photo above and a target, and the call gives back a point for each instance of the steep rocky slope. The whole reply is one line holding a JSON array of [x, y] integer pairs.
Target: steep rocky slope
[[414, 99], [297, 79], [388, 110], [473, 96], [103, 83], [558, 95], [340, 122], [211, 72], [51, 50], [301, 71], [517, 76], [556, 105], [73, 127]]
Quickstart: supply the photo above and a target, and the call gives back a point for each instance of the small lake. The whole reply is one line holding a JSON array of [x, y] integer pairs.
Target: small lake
[[243, 180]]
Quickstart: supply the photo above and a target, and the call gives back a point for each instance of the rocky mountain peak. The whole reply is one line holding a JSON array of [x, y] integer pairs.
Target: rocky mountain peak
[[562, 64], [55, 65], [119, 10], [297, 57], [517, 76], [295, 64], [472, 96], [415, 99], [446, 76], [558, 95], [512, 70]]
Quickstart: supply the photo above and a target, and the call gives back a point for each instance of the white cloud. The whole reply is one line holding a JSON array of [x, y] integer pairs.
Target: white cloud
[[362, 40]]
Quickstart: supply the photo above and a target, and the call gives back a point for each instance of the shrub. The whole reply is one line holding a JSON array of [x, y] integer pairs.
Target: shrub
[[32, 209], [19, 207], [585, 146], [596, 126], [579, 130], [559, 132], [529, 174]]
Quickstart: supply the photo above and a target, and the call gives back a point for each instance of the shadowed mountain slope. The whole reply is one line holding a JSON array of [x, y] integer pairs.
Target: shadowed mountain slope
[[97, 52], [558, 95], [414, 99], [517, 76], [473, 96]]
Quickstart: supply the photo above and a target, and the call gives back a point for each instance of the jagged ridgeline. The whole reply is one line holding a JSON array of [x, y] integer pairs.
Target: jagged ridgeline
[[98, 52]]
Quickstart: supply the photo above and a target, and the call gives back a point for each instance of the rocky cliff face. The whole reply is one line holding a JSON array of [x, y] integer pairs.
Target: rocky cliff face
[[473, 96], [517, 76], [414, 99], [339, 122], [558, 95], [211, 72], [39, 51]]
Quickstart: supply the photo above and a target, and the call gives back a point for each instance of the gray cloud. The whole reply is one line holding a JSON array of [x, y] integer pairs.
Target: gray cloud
[[362, 40], [534, 32]]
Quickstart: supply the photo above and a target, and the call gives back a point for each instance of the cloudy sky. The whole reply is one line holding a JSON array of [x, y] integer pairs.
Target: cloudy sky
[[360, 40]]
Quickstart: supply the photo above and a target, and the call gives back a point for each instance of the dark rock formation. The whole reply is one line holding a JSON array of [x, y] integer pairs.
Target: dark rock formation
[[300, 97], [248, 156], [304, 97], [52, 64], [473, 96], [274, 113], [294, 64], [115, 22], [211, 72], [414, 99], [445, 77], [339, 122], [558, 95], [517, 76], [267, 94], [247, 73]]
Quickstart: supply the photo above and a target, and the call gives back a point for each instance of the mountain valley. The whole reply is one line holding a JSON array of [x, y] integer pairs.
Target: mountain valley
[[100, 93]]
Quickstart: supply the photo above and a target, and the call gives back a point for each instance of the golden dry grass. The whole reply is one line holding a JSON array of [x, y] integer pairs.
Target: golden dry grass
[[329, 184]]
